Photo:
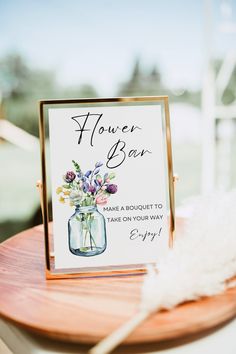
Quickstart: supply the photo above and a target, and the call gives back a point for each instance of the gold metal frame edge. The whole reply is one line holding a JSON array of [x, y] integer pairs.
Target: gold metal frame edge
[[42, 103]]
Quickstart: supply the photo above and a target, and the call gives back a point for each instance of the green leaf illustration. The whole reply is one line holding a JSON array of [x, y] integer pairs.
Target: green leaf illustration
[[112, 175], [77, 166]]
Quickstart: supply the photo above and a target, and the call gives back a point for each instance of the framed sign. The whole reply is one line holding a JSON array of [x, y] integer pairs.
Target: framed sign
[[107, 166]]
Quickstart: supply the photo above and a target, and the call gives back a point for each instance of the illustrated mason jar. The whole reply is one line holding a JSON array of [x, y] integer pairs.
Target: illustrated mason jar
[[87, 232]]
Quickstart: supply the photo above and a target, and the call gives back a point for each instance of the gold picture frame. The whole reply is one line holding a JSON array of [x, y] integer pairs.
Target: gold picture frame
[[44, 105]]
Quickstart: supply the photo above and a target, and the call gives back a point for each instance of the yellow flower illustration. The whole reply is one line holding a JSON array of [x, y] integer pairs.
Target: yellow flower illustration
[[59, 190], [62, 200]]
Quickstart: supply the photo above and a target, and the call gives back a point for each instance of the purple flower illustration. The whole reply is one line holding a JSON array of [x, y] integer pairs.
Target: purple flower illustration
[[98, 164], [85, 187], [69, 177], [90, 188], [96, 171], [111, 188], [88, 173]]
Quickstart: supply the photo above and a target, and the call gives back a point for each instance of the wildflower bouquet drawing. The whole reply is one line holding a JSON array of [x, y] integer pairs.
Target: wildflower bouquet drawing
[[84, 191]]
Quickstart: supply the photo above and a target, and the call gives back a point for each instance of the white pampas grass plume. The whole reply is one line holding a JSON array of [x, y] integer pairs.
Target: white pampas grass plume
[[202, 260]]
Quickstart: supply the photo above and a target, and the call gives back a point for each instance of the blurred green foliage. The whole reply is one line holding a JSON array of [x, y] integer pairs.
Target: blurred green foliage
[[150, 83], [22, 86]]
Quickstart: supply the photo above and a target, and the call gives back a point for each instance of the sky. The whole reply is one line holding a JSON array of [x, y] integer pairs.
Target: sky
[[97, 41]]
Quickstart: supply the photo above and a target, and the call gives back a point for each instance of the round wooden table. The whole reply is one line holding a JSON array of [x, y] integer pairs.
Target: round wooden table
[[85, 310]]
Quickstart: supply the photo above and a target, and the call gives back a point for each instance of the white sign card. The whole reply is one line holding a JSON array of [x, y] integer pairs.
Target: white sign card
[[109, 185]]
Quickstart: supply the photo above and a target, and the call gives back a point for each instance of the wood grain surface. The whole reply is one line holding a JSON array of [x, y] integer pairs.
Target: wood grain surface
[[87, 309]]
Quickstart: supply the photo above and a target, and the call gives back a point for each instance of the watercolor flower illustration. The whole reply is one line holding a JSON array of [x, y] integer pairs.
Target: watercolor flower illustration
[[86, 191], [89, 188]]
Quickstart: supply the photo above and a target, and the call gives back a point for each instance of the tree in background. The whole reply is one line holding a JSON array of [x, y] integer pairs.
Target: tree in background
[[141, 83], [22, 86], [149, 83]]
